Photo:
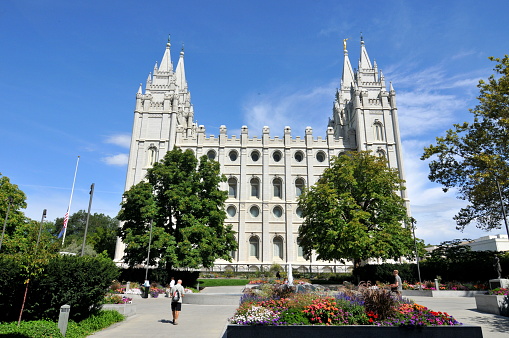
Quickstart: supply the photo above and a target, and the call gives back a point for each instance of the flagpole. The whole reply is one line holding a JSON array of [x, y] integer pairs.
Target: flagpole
[[66, 217]]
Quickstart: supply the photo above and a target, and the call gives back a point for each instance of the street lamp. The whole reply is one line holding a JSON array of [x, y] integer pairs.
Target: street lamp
[[5, 222], [148, 251], [413, 221]]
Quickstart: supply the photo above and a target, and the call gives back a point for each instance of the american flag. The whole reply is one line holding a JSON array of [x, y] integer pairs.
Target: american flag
[[66, 219]]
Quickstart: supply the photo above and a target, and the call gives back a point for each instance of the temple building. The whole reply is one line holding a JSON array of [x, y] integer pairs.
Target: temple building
[[266, 175]]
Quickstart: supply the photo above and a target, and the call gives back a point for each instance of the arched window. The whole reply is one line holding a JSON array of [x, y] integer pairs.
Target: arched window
[[255, 187], [255, 155], [233, 155], [379, 131], [232, 187], [277, 156], [299, 186], [254, 245], [152, 155], [211, 154], [278, 187], [254, 211], [278, 247], [300, 251], [299, 156], [299, 212], [320, 156]]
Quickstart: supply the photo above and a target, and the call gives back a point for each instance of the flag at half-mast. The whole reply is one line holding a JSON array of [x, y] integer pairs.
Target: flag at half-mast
[[66, 217]]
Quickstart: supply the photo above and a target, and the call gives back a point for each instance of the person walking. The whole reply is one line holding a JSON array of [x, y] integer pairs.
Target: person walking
[[397, 287], [176, 294]]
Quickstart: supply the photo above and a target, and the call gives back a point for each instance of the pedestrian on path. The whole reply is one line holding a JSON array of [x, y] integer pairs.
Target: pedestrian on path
[[397, 287], [177, 292]]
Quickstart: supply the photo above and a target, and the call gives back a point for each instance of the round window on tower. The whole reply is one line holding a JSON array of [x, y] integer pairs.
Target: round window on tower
[[320, 156], [233, 155], [277, 156]]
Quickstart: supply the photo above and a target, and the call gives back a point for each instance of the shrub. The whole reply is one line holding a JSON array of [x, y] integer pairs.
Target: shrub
[[379, 302]]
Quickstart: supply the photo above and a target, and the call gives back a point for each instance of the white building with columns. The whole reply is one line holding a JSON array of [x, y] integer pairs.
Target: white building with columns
[[266, 175]]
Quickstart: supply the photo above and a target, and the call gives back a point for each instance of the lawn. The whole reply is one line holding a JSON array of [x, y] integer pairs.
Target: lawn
[[221, 282]]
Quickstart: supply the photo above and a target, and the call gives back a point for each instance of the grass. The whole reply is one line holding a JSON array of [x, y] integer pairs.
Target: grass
[[221, 282]]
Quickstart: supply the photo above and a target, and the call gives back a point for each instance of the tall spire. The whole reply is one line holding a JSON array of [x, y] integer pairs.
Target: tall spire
[[180, 72], [347, 79], [364, 62], [166, 65]]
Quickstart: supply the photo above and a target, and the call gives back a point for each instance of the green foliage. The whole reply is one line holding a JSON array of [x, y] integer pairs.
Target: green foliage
[[11, 195], [294, 316], [355, 211], [181, 198], [221, 282], [101, 233], [49, 329], [473, 156]]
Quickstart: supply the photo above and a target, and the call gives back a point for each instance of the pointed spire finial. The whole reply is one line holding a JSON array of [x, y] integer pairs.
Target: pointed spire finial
[[362, 39], [140, 89], [168, 43], [344, 44], [182, 49]]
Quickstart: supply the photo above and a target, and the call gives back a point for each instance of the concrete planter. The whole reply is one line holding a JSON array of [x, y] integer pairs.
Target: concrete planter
[[441, 293], [463, 331], [498, 305], [124, 309]]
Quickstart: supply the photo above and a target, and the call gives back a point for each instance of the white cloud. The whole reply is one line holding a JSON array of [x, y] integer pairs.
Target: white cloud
[[296, 109], [122, 140], [118, 160]]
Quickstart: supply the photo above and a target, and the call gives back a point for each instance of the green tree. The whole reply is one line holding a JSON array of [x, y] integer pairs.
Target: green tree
[[12, 199], [355, 211], [101, 233], [181, 198], [473, 156]]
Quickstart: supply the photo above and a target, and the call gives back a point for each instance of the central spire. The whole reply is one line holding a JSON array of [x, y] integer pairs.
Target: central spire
[[166, 65]]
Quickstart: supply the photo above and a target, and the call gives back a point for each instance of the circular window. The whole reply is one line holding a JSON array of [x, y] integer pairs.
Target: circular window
[[255, 156], [233, 155], [254, 211], [299, 156], [299, 212], [278, 211], [211, 154], [277, 156], [231, 211], [320, 156]]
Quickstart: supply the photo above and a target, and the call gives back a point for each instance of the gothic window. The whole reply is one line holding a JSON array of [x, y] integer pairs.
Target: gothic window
[[320, 156], [300, 251], [152, 155], [299, 156], [277, 156], [233, 155], [299, 186], [254, 211], [254, 245], [231, 210], [255, 187], [379, 134], [277, 211], [255, 156], [232, 187], [211, 154], [278, 247], [277, 185]]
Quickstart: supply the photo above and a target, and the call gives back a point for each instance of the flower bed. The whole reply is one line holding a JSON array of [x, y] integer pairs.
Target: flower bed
[[274, 307]]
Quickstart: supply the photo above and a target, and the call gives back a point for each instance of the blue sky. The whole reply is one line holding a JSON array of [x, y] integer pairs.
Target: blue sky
[[69, 71]]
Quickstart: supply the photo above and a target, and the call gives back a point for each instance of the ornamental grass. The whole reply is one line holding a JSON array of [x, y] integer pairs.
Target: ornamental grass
[[365, 307]]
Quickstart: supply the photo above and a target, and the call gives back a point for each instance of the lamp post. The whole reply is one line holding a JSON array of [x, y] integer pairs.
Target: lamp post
[[40, 230], [148, 251], [88, 217], [416, 252], [6, 218], [503, 206]]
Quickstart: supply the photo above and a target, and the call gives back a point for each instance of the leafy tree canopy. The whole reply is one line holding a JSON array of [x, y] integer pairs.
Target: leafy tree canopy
[[355, 211], [101, 233], [181, 198], [473, 156], [12, 199]]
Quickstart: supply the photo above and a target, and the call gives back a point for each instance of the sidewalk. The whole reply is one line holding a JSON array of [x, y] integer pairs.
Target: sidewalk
[[463, 309], [153, 318]]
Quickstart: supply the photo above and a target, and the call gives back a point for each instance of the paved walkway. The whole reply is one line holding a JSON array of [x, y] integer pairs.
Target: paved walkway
[[153, 318]]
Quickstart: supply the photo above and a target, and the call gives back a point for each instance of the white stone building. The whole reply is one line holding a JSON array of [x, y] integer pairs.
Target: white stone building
[[266, 175], [490, 243]]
